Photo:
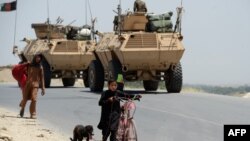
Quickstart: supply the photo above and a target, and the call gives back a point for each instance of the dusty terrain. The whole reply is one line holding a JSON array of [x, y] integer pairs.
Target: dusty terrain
[[5, 75], [14, 128]]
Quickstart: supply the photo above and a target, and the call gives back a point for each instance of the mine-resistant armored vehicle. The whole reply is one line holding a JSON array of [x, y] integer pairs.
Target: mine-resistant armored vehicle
[[143, 47], [66, 51]]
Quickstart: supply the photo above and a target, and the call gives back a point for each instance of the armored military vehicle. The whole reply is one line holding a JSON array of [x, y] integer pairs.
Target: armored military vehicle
[[66, 51], [143, 47]]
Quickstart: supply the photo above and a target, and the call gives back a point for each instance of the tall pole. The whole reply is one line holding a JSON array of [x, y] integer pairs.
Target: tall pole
[[14, 42], [15, 48], [48, 21], [119, 17]]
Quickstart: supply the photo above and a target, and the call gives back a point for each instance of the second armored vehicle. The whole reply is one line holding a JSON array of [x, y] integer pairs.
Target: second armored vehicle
[[141, 48]]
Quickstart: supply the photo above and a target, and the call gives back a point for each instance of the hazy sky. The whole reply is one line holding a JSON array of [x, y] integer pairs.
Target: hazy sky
[[216, 32]]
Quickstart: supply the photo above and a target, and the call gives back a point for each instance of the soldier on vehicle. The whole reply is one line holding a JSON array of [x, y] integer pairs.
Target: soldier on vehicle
[[140, 6]]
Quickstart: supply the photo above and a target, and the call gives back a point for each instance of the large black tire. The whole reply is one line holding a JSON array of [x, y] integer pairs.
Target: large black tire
[[95, 76], [68, 82], [115, 68], [85, 78], [173, 80], [86, 82], [150, 85], [47, 73]]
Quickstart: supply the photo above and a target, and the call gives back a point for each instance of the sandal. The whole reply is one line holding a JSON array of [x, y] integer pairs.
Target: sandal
[[21, 112]]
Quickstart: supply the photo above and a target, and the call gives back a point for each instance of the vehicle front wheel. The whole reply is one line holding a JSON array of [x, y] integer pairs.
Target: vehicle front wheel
[[96, 76], [173, 80]]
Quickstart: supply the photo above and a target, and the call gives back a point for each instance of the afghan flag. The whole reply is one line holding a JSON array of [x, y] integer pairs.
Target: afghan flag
[[6, 7]]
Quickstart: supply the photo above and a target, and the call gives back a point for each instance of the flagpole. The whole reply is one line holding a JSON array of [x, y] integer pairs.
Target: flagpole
[[14, 42]]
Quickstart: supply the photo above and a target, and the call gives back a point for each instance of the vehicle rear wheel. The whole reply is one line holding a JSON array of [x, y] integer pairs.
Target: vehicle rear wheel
[[95, 76], [68, 82], [47, 73], [85, 78], [173, 80], [86, 82], [150, 85], [114, 70]]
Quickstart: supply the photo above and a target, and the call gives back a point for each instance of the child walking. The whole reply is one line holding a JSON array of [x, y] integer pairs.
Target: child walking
[[111, 110], [35, 77]]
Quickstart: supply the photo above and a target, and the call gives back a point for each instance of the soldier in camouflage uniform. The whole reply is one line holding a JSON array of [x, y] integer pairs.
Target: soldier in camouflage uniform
[[140, 6]]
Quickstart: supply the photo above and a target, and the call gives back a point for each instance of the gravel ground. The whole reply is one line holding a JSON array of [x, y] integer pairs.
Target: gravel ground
[[14, 128]]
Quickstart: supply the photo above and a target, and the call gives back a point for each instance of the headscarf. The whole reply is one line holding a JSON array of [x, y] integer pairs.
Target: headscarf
[[34, 63]]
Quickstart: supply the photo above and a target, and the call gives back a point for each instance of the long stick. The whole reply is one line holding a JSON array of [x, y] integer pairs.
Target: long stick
[[14, 42]]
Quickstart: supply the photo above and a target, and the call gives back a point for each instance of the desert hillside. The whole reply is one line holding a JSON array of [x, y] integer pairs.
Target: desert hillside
[[14, 128], [5, 75]]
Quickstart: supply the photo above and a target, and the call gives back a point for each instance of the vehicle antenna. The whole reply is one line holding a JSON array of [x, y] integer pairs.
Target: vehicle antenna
[[119, 17], [86, 11], [93, 20], [179, 18], [71, 23], [177, 27], [48, 22], [90, 10]]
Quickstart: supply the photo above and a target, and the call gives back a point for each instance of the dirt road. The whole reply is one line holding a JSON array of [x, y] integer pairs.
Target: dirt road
[[14, 128]]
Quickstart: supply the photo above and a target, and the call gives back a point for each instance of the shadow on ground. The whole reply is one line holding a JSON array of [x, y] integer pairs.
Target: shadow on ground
[[132, 92]]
